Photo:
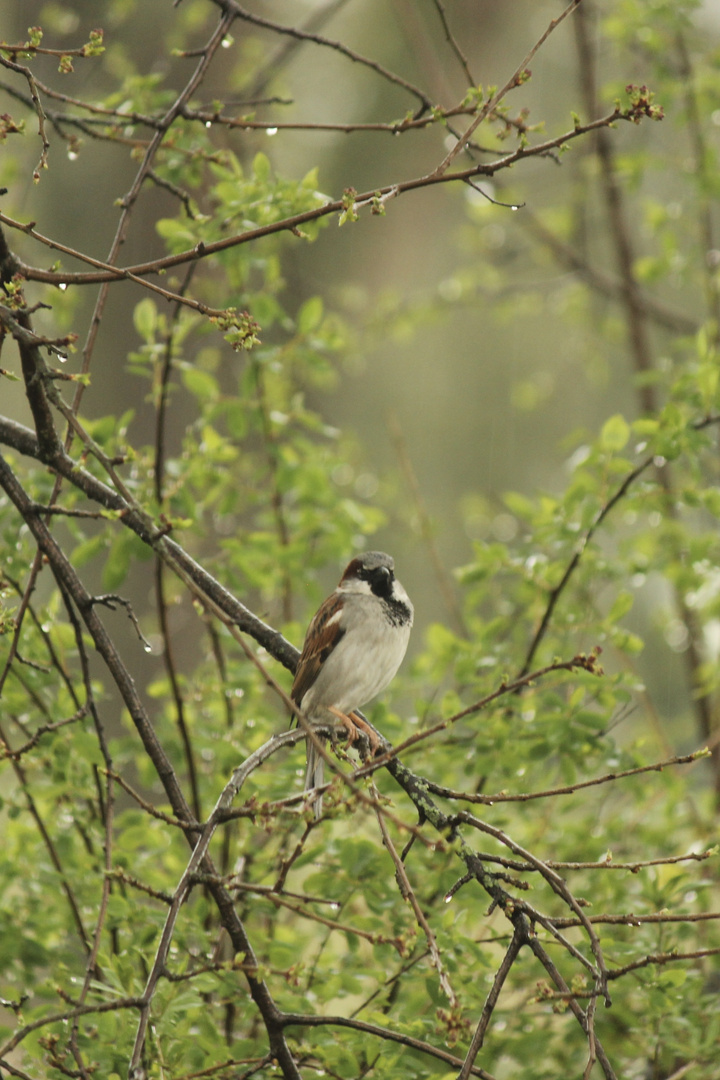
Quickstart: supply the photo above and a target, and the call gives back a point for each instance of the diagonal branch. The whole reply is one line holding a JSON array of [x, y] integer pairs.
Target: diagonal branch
[[108, 272], [68, 581], [337, 46], [231, 789], [516, 943], [310, 1020], [408, 893], [568, 789], [25, 441]]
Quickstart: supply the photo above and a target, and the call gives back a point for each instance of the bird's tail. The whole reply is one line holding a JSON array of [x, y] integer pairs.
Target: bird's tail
[[315, 776]]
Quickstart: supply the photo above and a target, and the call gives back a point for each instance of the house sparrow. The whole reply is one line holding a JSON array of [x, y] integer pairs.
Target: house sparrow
[[353, 647]]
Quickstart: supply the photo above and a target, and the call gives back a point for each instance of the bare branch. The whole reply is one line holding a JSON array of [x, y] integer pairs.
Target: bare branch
[[311, 1020], [568, 789], [408, 894], [107, 272], [491, 1001], [231, 789], [336, 46]]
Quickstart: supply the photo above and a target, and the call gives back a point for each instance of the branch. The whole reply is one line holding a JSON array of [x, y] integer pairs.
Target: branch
[[452, 42], [569, 789], [337, 46], [107, 272], [69, 582], [408, 894], [638, 920], [231, 789], [662, 958], [168, 652], [555, 593], [309, 1020], [585, 1021], [73, 903], [558, 885], [515, 79], [17, 753], [35, 97], [501, 975], [583, 661], [64, 1017]]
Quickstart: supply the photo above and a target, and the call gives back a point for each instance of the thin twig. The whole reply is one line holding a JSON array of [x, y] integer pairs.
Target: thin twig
[[17, 753], [231, 789], [408, 893], [310, 1020], [452, 42], [568, 789], [168, 651], [515, 80], [583, 661], [337, 46], [107, 272], [511, 954]]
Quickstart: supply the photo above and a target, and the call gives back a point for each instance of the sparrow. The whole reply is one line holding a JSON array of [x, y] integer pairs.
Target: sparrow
[[353, 647]]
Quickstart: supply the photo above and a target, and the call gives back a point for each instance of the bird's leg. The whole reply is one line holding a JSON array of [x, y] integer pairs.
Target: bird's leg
[[352, 724]]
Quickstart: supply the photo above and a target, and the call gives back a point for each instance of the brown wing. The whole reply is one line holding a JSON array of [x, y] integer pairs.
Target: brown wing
[[322, 637]]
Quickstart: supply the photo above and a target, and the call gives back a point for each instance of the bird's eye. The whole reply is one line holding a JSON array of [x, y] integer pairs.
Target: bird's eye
[[381, 579]]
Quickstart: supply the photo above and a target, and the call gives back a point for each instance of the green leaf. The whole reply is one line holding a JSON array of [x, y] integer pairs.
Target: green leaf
[[201, 384], [117, 563], [310, 315], [88, 549], [615, 434], [262, 168], [621, 605], [145, 319]]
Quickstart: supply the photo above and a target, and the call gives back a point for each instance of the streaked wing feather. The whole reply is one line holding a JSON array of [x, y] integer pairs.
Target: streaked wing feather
[[324, 633]]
